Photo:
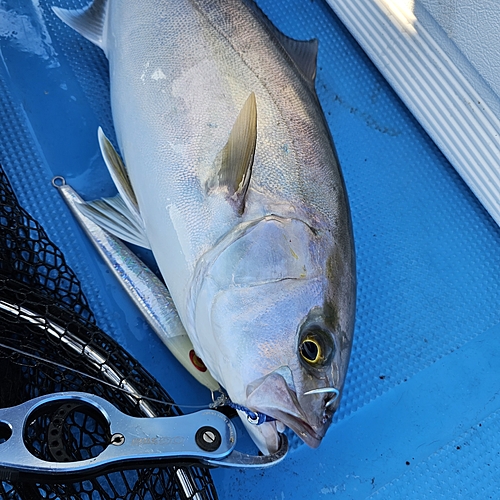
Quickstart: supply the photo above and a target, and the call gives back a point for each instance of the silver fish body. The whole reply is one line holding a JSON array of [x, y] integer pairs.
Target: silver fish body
[[260, 263]]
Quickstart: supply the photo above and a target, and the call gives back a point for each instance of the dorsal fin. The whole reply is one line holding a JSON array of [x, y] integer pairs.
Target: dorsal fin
[[303, 53], [90, 22], [236, 158]]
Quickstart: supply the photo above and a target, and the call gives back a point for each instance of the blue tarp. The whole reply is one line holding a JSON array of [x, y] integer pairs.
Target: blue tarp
[[420, 415]]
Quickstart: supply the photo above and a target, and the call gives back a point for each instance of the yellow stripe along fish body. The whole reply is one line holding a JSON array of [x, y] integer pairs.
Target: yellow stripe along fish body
[[233, 182]]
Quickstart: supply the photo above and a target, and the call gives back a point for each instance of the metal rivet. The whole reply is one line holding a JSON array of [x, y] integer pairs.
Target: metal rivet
[[117, 439], [208, 438]]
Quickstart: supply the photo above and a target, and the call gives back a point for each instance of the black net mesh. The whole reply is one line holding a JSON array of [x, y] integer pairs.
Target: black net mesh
[[49, 342]]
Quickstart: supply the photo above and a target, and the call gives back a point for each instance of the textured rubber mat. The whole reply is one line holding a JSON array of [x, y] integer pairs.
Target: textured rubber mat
[[419, 416]]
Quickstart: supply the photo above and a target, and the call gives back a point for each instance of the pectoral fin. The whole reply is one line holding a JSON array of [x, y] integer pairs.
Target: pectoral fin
[[236, 158]]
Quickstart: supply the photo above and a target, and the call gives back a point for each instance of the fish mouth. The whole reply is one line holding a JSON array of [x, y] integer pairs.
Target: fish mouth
[[301, 427], [272, 396], [267, 435]]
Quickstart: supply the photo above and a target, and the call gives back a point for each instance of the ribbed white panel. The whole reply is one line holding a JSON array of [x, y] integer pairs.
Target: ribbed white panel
[[434, 89]]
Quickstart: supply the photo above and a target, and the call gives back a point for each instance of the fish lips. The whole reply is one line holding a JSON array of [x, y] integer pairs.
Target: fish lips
[[273, 396]]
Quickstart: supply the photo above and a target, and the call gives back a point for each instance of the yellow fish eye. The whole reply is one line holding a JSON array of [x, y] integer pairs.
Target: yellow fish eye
[[311, 351]]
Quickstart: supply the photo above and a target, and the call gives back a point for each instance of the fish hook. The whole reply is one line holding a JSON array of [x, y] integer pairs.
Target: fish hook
[[322, 390]]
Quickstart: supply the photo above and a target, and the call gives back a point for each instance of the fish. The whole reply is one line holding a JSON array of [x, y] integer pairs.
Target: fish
[[227, 171]]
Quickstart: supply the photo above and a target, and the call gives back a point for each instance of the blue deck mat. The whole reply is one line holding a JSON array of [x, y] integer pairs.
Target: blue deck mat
[[420, 416]]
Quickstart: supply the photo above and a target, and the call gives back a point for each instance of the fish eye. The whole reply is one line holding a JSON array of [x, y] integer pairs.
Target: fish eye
[[310, 350], [316, 346]]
